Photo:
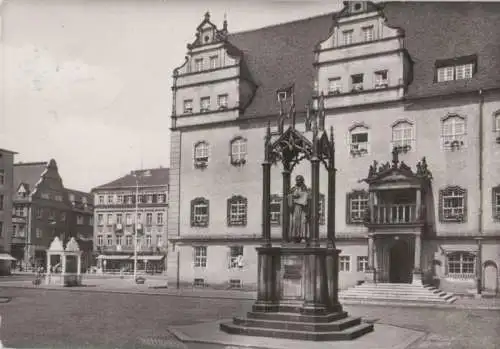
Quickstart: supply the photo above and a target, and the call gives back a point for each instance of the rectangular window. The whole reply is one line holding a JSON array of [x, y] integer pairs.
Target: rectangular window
[[79, 220], [188, 106], [200, 256], [2, 177], [149, 219], [334, 86], [128, 240], [119, 218], [344, 263], [198, 64], [119, 199], [238, 211], [110, 199], [101, 199], [128, 219], [214, 62], [357, 82], [149, 198], [52, 215], [358, 204], [359, 141], [148, 240], [222, 101], [463, 71], [368, 33], [347, 37], [204, 104], [109, 219], [139, 217], [99, 240], [381, 80], [39, 212], [453, 205], [276, 202], [199, 282], [445, 74], [159, 218], [59, 198], [129, 199], [160, 198], [235, 257], [496, 204], [38, 233], [119, 240], [235, 283], [461, 265], [200, 213], [109, 240], [362, 263], [159, 240]]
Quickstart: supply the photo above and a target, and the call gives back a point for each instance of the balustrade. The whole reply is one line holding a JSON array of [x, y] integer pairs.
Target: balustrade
[[395, 214]]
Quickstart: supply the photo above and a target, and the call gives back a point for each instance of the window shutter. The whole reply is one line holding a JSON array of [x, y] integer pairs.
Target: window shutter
[[208, 213], [192, 212], [245, 200]]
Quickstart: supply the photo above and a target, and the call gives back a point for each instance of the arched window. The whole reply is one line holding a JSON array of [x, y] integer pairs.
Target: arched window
[[201, 154], [402, 136], [237, 211], [453, 132], [357, 204], [359, 140], [461, 265], [238, 151], [453, 205], [199, 212]]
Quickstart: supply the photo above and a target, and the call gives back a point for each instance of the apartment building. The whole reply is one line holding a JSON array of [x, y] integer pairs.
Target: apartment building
[[6, 189], [136, 202], [412, 92], [43, 209]]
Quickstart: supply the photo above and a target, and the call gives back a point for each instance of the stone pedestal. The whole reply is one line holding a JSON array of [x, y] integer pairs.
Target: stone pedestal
[[417, 277], [297, 297], [371, 276]]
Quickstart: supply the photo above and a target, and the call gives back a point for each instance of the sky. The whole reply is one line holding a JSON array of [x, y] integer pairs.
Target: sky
[[88, 82]]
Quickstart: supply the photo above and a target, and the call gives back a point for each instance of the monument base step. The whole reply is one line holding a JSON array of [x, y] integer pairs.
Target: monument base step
[[292, 325]]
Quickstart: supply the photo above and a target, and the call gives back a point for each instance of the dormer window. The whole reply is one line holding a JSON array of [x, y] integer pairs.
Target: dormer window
[[188, 106], [282, 96], [381, 80], [334, 86], [198, 64], [204, 104], [368, 33], [347, 37], [222, 101], [214, 62], [357, 82], [455, 69]]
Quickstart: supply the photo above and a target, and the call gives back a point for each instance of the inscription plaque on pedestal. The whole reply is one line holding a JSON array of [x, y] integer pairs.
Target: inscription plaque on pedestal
[[292, 277]]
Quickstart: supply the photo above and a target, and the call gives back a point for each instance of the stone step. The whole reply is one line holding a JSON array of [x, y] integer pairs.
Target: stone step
[[409, 299], [294, 317], [346, 334], [334, 326], [396, 294]]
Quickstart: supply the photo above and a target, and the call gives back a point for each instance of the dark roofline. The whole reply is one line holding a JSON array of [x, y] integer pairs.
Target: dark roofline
[[8, 151], [31, 163], [332, 13]]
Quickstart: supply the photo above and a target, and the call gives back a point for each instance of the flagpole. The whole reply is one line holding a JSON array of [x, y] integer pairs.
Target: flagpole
[[136, 212]]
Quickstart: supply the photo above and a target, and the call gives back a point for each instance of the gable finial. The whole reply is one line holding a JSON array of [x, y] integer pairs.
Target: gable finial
[[308, 117], [224, 24], [207, 15]]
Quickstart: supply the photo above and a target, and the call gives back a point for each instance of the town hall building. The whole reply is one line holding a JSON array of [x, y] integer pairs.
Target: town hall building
[[412, 92]]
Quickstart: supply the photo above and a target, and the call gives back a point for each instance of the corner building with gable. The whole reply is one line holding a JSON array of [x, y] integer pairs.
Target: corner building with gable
[[413, 87]]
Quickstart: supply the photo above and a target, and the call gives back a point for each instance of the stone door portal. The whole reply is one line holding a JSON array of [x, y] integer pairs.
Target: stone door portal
[[400, 262]]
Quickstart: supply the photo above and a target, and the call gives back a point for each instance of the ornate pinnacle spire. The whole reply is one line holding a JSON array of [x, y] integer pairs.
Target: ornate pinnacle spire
[[308, 117], [224, 24], [207, 15]]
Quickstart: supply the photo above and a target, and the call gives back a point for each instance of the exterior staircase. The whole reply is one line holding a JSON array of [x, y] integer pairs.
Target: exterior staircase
[[396, 293]]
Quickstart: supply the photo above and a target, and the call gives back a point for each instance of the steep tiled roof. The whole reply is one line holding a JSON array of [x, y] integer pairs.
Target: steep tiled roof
[[28, 173], [279, 55], [149, 177], [79, 194], [444, 30]]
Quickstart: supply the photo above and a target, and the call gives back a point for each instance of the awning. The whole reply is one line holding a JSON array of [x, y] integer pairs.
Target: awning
[[150, 257], [113, 257], [6, 257]]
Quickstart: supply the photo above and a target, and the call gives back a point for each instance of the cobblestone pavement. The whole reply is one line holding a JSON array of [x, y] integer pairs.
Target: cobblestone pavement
[[65, 319]]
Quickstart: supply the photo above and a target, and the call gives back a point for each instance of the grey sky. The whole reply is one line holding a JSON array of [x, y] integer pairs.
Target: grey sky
[[88, 82]]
